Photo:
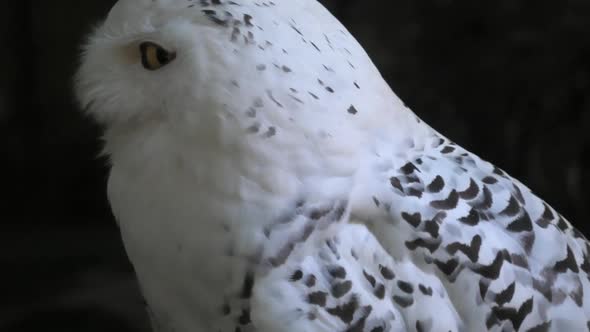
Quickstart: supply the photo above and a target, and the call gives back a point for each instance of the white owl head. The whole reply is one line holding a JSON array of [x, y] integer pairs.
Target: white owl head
[[143, 62]]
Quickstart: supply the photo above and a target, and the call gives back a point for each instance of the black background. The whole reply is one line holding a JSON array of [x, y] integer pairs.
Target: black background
[[507, 79]]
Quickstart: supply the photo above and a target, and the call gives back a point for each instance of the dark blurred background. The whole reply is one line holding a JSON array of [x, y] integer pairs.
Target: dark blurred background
[[507, 79]]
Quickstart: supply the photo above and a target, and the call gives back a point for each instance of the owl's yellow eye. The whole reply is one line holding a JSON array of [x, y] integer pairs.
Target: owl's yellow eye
[[154, 56]]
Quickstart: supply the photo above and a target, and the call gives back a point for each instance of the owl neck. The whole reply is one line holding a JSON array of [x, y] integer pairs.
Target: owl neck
[[221, 156]]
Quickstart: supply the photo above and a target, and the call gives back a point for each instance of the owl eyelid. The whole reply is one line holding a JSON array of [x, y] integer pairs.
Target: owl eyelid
[[155, 56]]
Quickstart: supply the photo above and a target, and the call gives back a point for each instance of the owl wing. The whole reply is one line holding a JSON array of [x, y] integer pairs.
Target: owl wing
[[435, 240], [507, 260]]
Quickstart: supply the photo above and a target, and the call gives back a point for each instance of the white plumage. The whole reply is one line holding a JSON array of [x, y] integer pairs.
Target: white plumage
[[266, 178]]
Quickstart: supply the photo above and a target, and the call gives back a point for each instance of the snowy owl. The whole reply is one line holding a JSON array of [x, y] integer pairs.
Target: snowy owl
[[266, 178]]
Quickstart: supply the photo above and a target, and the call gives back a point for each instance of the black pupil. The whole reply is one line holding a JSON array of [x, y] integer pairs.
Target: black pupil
[[162, 55]]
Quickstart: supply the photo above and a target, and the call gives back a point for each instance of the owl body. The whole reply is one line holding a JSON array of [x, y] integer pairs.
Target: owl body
[[266, 178]]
